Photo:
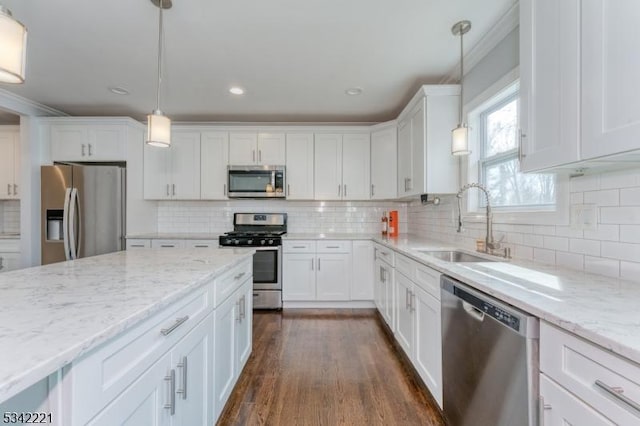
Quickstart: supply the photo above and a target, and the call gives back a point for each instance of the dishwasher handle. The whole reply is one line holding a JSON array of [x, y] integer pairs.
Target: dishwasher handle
[[473, 311]]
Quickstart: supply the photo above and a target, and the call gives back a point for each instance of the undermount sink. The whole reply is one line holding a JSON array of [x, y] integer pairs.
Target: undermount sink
[[454, 256]]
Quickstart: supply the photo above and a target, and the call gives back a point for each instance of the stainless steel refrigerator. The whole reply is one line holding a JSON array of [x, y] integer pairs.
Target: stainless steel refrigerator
[[83, 210]]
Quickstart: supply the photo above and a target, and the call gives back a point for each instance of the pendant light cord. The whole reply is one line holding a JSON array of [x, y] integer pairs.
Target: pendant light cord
[[159, 56], [461, 76]]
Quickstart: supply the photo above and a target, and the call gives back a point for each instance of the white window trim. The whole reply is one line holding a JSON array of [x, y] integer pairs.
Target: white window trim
[[543, 215]]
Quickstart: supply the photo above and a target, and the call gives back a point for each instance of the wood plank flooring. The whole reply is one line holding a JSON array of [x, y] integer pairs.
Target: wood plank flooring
[[326, 367]]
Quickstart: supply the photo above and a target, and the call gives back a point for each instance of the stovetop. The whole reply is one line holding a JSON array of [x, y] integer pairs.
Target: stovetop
[[261, 234], [256, 230]]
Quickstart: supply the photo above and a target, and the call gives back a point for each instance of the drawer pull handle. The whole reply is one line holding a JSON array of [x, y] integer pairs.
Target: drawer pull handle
[[183, 366], [384, 253], [201, 246], [333, 246], [171, 405], [178, 323], [167, 245], [137, 245], [618, 393], [299, 246], [240, 275]]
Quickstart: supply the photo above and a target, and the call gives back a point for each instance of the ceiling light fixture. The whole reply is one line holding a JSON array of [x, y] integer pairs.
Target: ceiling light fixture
[[237, 90], [158, 124], [460, 135], [353, 91], [118, 90], [13, 48]]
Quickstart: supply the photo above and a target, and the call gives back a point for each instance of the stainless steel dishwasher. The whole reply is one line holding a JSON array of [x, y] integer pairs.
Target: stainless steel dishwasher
[[490, 359]]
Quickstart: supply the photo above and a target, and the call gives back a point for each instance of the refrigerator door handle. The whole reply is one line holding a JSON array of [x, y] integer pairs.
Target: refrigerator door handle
[[65, 223], [74, 241]]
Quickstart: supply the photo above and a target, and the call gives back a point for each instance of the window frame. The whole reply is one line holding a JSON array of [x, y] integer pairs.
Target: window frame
[[473, 211]]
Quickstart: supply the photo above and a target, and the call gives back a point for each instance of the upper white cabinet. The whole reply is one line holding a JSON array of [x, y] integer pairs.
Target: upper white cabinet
[[214, 158], [342, 166], [299, 166], [9, 162], [425, 163], [578, 80], [88, 142], [384, 172], [549, 82], [249, 148], [610, 69], [173, 173]]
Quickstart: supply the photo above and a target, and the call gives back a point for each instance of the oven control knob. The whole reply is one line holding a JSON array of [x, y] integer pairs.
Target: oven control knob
[[249, 241], [270, 242], [262, 242], [236, 242]]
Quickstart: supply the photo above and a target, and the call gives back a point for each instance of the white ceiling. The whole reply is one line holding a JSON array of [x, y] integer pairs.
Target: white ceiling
[[295, 58]]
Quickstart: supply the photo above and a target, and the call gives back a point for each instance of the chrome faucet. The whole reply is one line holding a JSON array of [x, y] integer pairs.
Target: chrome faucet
[[490, 243]]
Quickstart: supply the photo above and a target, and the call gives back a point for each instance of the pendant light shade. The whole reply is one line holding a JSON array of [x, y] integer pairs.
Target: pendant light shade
[[158, 129], [13, 48], [158, 124], [460, 135]]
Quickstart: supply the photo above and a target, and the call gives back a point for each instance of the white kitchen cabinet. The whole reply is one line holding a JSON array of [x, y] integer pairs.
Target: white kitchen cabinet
[[427, 355], [167, 244], [562, 408], [9, 162], [384, 172], [214, 159], [299, 166], [250, 148], [405, 321], [342, 167], [327, 179], [299, 276], [316, 271], [88, 142], [549, 82], [138, 243], [610, 100], [232, 342], [9, 261], [594, 376], [173, 173], [385, 282], [425, 163], [143, 403], [362, 282]]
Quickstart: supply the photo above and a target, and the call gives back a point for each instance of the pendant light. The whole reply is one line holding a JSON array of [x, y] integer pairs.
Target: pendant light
[[158, 124], [460, 135], [13, 48]]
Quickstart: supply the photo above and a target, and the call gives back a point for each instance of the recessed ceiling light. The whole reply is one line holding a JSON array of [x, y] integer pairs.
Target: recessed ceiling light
[[237, 90], [353, 91], [119, 90]]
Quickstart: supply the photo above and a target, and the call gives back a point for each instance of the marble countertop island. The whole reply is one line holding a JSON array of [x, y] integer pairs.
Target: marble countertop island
[[51, 315]]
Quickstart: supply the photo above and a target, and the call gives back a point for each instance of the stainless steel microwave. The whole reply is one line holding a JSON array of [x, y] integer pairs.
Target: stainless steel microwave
[[256, 182]]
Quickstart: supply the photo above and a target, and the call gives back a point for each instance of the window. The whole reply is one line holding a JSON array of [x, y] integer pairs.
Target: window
[[499, 167]]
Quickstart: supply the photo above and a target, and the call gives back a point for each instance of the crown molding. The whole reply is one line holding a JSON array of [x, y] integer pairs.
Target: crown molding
[[507, 23], [15, 103]]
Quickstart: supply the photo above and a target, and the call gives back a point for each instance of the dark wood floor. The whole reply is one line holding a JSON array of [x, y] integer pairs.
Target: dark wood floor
[[326, 367]]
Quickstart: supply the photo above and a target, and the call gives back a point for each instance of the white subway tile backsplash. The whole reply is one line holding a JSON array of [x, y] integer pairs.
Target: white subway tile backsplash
[[570, 260], [630, 233], [609, 197], [585, 183], [598, 265], [589, 247], [544, 256], [556, 243], [603, 233], [577, 198], [621, 179], [568, 231], [630, 197], [533, 240], [544, 230], [630, 270], [620, 215], [622, 251]]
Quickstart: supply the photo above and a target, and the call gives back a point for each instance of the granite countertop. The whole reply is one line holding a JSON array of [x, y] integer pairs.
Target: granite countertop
[[600, 309], [53, 314]]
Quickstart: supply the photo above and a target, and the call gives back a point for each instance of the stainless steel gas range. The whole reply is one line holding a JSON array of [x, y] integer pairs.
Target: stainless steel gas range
[[264, 232]]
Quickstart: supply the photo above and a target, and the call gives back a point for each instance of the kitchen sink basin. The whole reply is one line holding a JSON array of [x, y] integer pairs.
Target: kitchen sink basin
[[454, 256]]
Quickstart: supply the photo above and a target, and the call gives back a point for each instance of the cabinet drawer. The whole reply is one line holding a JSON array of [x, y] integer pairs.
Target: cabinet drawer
[[385, 254], [587, 370], [201, 244], [158, 244], [333, 246], [227, 283], [406, 266], [138, 243], [428, 279], [299, 246], [104, 373], [9, 245]]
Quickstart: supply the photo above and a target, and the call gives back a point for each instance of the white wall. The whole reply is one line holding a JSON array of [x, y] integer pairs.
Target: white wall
[[216, 217]]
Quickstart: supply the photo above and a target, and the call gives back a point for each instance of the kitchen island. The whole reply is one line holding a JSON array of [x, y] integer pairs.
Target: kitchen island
[[100, 322]]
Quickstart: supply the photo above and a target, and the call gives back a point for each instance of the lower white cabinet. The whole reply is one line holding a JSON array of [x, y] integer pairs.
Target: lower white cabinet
[[596, 387], [232, 343], [9, 254], [362, 258], [427, 351], [562, 408], [316, 271], [385, 289]]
